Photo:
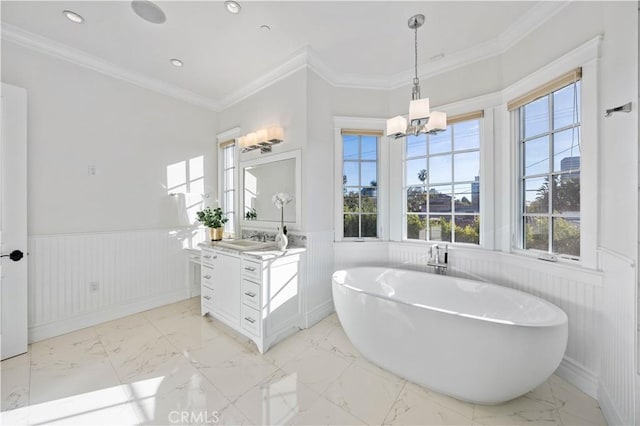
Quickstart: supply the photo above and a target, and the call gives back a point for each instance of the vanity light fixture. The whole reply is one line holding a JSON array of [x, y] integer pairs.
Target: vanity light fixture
[[232, 6], [262, 139], [73, 16], [421, 119], [176, 62]]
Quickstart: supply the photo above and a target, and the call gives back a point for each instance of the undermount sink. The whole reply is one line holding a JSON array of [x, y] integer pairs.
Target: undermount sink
[[244, 245]]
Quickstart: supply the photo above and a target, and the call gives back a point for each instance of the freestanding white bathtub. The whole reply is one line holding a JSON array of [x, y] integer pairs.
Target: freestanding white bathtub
[[477, 342]]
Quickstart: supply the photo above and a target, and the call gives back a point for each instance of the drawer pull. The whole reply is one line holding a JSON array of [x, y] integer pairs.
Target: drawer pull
[[250, 294], [215, 257], [249, 319], [249, 268], [207, 297], [207, 277], [207, 257]]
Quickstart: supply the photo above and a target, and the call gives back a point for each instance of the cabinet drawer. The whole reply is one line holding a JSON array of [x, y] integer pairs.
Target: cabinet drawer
[[250, 320], [209, 257], [251, 294], [207, 297], [207, 276], [252, 270]]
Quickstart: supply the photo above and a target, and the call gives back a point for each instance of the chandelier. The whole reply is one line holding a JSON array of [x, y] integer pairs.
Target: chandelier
[[421, 120]]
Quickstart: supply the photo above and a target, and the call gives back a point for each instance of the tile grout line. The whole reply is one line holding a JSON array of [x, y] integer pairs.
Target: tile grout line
[[404, 384]]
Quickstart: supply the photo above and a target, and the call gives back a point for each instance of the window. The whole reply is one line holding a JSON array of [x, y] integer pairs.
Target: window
[[549, 177], [360, 183], [442, 183], [228, 170]]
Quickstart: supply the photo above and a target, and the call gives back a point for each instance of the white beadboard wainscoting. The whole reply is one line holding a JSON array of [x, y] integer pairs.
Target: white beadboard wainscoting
[[618, 373], [133, 271], [319, 269], [576, 290]]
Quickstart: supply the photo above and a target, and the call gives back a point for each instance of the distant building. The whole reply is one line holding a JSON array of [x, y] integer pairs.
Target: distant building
[[569, 164], [475, 194]]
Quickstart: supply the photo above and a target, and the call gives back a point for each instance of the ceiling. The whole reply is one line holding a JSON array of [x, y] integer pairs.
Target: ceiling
[[223, 52]]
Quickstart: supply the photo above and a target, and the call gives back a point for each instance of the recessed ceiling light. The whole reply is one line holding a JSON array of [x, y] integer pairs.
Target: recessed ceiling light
[[148, 11], [73, 17], [265, 28], [232, 6], [176, 62]]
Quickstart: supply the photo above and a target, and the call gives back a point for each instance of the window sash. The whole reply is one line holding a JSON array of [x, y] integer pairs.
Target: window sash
[[452, 214], [362, 185], [561, 82]]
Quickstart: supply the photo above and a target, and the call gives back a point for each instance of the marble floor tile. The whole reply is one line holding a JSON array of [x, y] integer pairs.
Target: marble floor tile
[[104, 406], [288, 349], [161, 399], [148, 356], [316, 368], [336, 341], [574, 404], [217, 351], [524, 410], [170, 362], [315, 334], [238, 374], [15, 376], [68, 365], [365, 391], [192, 333], [414, 407], [324, 412], [276, 400]]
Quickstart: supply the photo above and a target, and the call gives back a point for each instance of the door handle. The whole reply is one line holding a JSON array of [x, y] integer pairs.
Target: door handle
[[15, 255]]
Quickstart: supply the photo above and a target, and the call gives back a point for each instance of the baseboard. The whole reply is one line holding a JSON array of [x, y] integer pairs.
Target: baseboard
[[578, 376], [318, 313], [609, 410], [45, 331]]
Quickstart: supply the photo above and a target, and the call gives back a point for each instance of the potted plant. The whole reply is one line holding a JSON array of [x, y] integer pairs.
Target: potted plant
[[214, 220]]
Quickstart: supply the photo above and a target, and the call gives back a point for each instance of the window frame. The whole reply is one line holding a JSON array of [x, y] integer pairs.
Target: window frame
[[586, 57], [480, 116], [549, 174], [222, 139], [365, 124]]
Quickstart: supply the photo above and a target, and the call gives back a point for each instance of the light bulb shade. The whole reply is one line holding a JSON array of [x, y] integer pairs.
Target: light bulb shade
[[252, 139], [419, 110], [242, 142], [261, 136], [275, 134], [437, 122], [396, 127]]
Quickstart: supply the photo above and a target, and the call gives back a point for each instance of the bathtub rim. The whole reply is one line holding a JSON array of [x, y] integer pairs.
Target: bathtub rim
[[561, 321]]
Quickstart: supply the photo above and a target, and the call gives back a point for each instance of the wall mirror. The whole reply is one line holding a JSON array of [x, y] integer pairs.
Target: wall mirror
[[260, 180]]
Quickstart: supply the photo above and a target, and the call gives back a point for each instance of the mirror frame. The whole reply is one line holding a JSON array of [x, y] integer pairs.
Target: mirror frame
[[272, 225]]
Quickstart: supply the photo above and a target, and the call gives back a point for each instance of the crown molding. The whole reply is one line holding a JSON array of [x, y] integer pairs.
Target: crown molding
[[304, 58], [62, 51], [297, 61], [540, 13]]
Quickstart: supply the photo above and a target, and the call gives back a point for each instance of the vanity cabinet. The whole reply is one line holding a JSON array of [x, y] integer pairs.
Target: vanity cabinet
[[258, 294]]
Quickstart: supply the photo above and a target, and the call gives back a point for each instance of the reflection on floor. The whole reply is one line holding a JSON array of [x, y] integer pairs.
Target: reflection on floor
[[171, 366]]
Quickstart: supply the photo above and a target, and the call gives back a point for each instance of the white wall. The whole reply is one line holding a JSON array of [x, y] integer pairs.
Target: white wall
[[78, 117], [118, 230], [619, 214]]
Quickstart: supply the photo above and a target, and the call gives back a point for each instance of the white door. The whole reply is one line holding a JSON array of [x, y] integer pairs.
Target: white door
[[13, 221]]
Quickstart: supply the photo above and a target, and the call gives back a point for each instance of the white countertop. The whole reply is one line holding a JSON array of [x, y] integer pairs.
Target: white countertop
[[264, 254]]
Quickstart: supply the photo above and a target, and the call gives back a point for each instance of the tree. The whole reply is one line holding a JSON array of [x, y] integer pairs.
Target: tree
[[422, 175]]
